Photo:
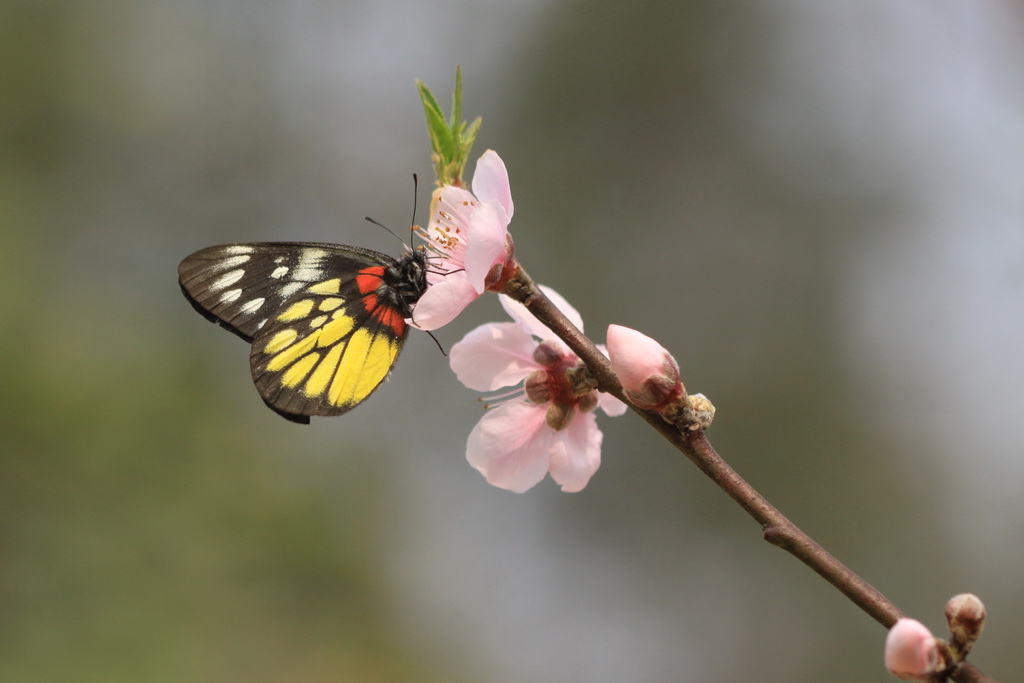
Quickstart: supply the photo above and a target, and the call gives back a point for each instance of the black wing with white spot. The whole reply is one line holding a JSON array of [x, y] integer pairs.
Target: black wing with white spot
[[241, 286]]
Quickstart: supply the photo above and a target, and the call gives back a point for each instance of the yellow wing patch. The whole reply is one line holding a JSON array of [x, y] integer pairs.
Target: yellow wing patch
[[280, 341], [297, 311], [321, 377], [363, 365], [333, 363], [326, 287], [330, 303], [298, 371], [333, 331], [291, 353]]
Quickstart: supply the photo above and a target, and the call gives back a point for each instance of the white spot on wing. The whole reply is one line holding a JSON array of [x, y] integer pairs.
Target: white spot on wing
[[279, 272], [289, 289], [308, 268], [230, 295], [238, 249], [252, 306], [232, 262], [227, 279]]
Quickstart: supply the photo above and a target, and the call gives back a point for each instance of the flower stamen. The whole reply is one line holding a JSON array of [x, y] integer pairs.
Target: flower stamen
[[497, 399]]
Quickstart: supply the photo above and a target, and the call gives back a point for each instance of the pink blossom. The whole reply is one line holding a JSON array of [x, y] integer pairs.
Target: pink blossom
[[546, 426], [911, 653], [469, 243], [649, 374]]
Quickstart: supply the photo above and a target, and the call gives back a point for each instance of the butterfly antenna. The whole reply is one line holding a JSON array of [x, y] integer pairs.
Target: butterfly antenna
[[415, 196], [412, 225], [389, 230], [440, 348]]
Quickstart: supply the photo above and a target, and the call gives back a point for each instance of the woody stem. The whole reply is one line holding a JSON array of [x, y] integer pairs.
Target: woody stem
[[777, 528]]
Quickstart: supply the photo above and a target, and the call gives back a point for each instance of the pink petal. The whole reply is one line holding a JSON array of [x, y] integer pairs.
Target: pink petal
[[490, 182], [492, 356], [510, 444], [611, 406], [576, 453], [451, 209], [485, 245], [443, 301], [521, 315]]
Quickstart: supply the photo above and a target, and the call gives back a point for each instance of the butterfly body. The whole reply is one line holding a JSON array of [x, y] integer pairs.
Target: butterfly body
[[326, 322]]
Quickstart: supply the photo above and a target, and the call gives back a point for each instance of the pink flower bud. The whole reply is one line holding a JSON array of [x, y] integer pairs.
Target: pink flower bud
[[965, 614], [911, 653], [649, 374]]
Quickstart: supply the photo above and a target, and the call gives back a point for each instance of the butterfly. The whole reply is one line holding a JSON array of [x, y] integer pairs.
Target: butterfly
[[326, 321]]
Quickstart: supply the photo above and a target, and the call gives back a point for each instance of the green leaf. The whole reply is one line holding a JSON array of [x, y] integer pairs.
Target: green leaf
[[451, 140], [457, 98], [437, 127], [469, 136]]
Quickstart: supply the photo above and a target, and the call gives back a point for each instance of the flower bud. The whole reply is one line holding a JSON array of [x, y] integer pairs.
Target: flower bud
[[699, 411], [911, 652], [649, 374], [548, 354], [965, 615]]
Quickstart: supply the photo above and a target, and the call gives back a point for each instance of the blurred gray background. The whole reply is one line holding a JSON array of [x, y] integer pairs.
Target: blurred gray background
[[816, 206]]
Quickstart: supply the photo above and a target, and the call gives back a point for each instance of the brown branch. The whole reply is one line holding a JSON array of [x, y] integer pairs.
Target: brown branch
[[777, 528]]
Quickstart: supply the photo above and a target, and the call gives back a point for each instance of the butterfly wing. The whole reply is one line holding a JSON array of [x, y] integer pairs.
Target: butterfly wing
[[325, 330]]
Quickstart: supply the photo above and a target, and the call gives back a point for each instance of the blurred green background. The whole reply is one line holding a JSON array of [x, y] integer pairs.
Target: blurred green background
[[816, 206]]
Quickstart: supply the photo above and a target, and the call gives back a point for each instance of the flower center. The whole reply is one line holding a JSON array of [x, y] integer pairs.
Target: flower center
[[564, 383]]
